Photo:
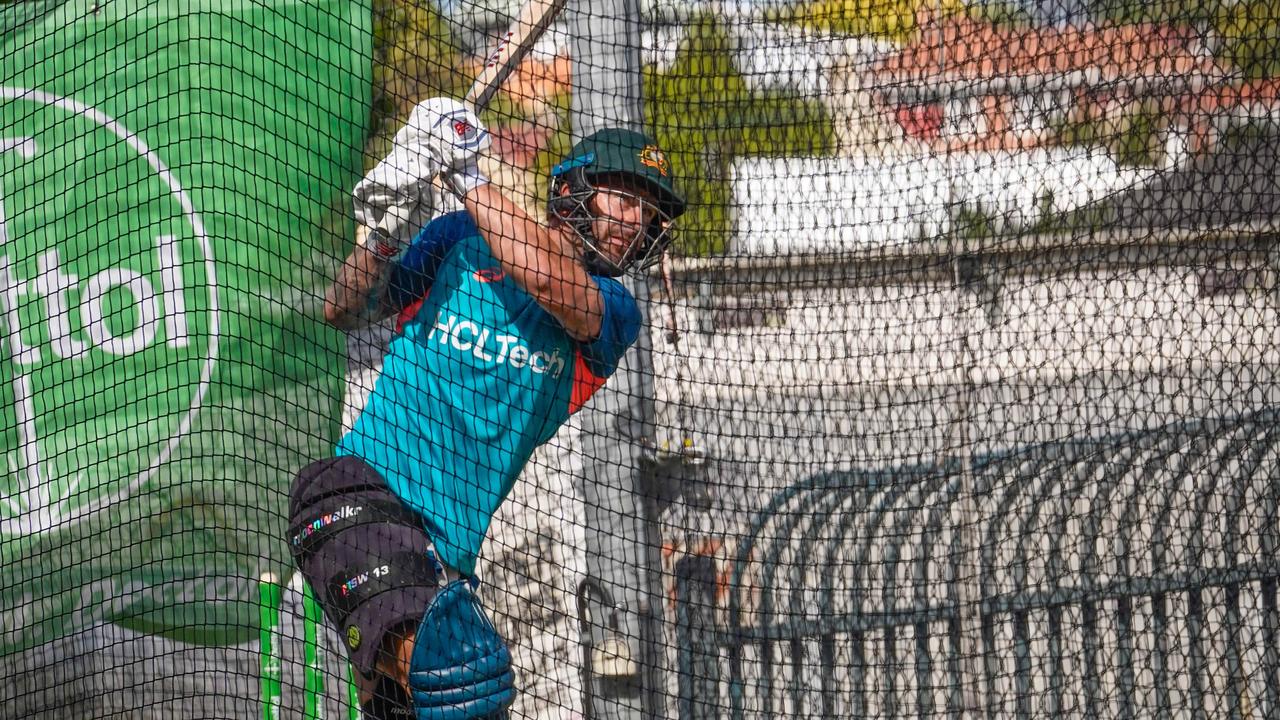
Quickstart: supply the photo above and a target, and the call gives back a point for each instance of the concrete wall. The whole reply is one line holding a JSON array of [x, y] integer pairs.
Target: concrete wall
[[866, 362], [787, 370]]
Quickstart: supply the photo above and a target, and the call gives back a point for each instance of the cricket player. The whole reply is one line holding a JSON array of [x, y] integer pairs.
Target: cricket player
[[506, 327]]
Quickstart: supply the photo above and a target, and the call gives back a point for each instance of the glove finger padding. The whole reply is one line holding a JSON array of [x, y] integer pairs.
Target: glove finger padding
[[488, 666], [448, 130], [481, 700], [396, 195], [400, 178], [461, 668]]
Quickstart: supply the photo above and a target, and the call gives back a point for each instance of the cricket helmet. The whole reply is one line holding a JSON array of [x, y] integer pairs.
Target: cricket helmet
[[633, 158]]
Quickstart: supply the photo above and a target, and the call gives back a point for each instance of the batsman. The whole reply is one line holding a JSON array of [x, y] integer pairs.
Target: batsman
[[506, 326]]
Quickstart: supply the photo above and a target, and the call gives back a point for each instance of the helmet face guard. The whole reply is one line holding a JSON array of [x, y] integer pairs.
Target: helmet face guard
[[572, 193], [617, 161]]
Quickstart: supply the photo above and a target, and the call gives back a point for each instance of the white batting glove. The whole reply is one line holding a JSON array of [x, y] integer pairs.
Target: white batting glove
[[394, 200], [455, 137]]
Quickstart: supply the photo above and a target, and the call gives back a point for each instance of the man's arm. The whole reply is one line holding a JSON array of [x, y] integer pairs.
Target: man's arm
[[378, 280], [358, 296], [542, 260], [399, 185]]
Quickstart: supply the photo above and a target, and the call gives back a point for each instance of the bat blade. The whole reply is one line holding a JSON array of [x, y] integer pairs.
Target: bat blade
[[531, 22]]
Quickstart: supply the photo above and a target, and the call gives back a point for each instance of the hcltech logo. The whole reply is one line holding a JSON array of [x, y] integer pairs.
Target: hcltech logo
[[108, 310], [494, 349]]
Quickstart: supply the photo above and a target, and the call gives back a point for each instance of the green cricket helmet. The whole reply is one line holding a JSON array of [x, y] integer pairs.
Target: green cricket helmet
[[629, 158]]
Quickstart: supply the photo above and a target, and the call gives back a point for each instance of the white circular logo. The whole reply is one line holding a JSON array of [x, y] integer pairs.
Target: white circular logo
[[108, 304]]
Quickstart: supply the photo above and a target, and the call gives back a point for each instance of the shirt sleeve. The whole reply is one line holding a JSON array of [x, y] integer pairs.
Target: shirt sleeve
[[619, 328], [414, 273]]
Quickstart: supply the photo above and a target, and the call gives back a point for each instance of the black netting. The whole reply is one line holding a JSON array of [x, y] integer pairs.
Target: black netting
[[953, 395]]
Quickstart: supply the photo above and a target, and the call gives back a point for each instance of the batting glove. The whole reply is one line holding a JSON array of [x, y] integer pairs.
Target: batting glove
[[455, 137], [394, 200]]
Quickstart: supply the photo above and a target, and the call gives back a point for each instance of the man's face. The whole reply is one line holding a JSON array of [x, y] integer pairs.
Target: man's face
[[621, 213]]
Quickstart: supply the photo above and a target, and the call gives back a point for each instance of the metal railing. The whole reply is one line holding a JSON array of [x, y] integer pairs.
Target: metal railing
[[1127, 576]]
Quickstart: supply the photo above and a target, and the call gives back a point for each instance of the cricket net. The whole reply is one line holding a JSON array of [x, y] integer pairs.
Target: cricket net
[[957, 395]]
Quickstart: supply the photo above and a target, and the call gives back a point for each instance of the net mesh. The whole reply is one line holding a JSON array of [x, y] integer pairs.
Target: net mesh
[[956, 394]]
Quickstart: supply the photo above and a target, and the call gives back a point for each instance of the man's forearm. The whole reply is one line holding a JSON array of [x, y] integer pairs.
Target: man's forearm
[[358, 295], [538, 260], [529, 252]]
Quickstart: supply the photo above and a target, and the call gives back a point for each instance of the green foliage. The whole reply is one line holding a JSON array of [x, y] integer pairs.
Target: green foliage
[[1046, 216], [1251, 36], [1163, 12], [1138, 142], [1004, 14], [704, 116], [892, 19], [1238, 139], [889, 19], [557, 148], [974, 222], [1078, 132], [1133, 139], [414, 58]]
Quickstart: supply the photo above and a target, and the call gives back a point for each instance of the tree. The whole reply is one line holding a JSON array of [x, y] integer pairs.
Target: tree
[[704, 115], [1250, 32], [888, 19], [414, 58]]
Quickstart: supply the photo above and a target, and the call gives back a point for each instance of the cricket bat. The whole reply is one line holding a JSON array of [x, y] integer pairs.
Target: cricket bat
[[531, 22]]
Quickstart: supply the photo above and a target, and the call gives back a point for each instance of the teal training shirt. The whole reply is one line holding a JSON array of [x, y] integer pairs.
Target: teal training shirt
[[476, 378]]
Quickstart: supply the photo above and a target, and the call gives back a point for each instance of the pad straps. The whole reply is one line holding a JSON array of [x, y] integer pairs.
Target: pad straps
[[311, 533], [349, 589]]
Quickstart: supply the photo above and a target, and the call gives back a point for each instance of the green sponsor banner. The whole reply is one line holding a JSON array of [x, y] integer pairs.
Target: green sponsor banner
[[173, 177]]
